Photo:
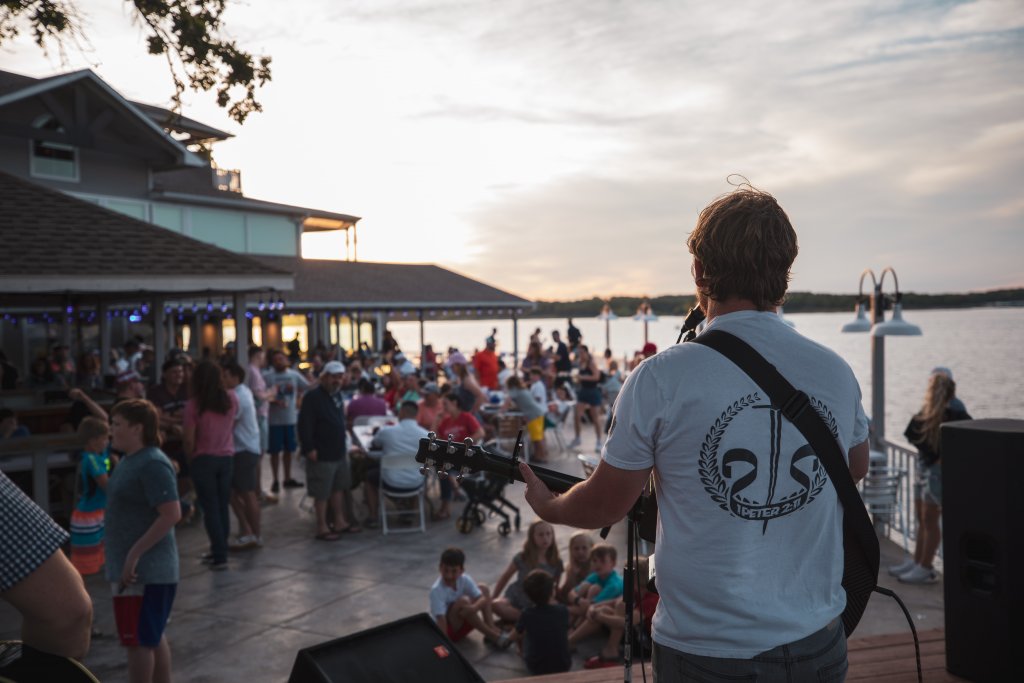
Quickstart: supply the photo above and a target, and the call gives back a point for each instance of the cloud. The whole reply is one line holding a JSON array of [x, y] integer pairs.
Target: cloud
[[565, 148]]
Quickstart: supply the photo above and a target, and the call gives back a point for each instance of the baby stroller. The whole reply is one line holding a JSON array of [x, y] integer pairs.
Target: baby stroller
[[484, 494]]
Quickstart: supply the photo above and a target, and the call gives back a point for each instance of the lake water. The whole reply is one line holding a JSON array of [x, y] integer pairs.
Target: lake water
[[983, 346]]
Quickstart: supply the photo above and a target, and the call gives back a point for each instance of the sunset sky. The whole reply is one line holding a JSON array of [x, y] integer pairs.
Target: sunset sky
[[563, 149]]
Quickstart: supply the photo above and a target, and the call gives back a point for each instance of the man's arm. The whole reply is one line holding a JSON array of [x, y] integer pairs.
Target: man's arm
[[305, 426], [56, 609], [860, 456], [599, 501]]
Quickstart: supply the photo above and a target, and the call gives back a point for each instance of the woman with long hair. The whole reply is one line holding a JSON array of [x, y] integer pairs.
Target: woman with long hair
[[940, 406], [210, 446], [589, 399]]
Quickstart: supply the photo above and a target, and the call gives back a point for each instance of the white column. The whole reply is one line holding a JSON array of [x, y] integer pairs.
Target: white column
[[101, 314], [159, 332], [515, 342], [380, 331], [241, 331]]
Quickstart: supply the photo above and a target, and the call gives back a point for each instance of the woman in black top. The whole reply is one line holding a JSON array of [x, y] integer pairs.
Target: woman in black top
[[940, 406], [589, 398]]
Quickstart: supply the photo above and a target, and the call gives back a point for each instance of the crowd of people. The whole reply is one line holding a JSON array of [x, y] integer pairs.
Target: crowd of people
[[186, 444], [770, 608]]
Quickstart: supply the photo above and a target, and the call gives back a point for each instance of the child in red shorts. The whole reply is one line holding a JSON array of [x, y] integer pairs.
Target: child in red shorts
[[142, 555], [459, 605]]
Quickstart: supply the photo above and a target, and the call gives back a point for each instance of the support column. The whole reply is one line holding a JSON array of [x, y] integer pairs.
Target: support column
[[101, 314], [241, 331], [357, 321], [515, 342], [877, 373], [379, 332], [156, 304], [423, 345]]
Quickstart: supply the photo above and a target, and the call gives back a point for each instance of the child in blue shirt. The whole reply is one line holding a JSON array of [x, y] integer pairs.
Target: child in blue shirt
[[603, 583], [87, 519]]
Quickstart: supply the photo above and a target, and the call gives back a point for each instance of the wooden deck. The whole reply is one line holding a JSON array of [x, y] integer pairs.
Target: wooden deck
[[880, 659]]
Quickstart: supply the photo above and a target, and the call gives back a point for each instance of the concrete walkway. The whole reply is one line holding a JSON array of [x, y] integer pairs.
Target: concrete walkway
[[246, 624]]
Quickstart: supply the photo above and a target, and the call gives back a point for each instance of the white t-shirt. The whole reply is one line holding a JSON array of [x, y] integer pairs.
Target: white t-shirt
[[539, 392], [400, 439], [749, 545], [247, 430], [443, 596]]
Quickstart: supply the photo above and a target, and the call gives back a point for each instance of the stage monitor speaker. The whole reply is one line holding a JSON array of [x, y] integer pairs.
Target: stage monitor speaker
[[983, 547], [410, 649]]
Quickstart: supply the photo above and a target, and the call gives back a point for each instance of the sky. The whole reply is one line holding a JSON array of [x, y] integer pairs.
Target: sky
[[563, 149]]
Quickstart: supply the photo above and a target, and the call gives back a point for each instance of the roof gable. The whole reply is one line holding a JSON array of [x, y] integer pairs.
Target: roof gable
[[81, 132], [49, 234]]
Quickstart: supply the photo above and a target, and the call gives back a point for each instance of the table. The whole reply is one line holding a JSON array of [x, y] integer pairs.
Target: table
[[39, 453]]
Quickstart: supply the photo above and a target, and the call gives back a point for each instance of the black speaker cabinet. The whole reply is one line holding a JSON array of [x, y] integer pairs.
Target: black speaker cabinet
[[410, 649], [983, 547]]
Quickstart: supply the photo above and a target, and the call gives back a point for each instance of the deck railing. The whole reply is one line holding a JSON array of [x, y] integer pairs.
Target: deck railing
[[899, 456]]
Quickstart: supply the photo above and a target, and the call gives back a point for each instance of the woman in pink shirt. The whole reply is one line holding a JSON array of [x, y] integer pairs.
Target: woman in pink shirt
[[210, 446]]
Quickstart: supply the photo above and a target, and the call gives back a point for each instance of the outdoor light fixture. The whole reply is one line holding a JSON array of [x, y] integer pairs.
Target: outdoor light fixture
[[880, 328], [644, 313], [607, 315], [861, 322]]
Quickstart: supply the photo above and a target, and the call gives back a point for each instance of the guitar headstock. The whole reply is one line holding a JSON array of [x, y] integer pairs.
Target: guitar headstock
[[464, 456]]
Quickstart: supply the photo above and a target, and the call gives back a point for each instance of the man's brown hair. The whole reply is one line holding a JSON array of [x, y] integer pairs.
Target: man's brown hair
[[141, 412], [746, 244]]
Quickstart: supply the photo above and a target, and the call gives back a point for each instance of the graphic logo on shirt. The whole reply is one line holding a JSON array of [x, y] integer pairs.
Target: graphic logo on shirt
[[756, 465]]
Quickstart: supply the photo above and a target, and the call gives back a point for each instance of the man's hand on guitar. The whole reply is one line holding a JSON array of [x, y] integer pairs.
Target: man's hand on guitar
[[538, 495]]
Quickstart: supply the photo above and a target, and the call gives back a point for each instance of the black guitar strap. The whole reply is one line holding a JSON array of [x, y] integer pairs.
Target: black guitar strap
[[860, 545]]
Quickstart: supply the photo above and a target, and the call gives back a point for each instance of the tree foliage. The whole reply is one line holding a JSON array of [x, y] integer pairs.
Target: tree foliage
[[189, 33]]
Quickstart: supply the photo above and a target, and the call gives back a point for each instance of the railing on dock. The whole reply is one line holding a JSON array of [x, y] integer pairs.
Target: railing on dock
[[901, 526]]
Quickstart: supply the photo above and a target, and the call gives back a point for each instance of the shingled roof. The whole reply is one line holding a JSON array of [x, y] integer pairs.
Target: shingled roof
[[53, 242], [361, 285]]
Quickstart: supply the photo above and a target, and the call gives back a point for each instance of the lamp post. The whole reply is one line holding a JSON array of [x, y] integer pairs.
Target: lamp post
[[880, 329], [644, 312], [607, 315]]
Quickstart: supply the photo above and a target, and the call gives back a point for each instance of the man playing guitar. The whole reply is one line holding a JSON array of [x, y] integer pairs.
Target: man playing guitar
[[750, 536]]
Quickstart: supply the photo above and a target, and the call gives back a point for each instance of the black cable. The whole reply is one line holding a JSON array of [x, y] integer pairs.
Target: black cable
[[906, 613]]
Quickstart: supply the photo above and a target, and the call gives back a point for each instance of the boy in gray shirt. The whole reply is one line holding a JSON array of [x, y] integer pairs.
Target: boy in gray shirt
[[287, 385]]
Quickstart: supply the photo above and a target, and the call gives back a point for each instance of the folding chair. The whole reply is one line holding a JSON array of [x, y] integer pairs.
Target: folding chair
[[393, 463], [881, 493], [509, 426]]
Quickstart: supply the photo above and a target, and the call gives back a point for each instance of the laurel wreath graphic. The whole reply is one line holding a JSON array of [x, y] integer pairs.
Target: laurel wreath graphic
[[821, 476], [707, 467]]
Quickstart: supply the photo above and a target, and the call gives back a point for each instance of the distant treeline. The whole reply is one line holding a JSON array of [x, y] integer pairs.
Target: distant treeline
[[796, 302]]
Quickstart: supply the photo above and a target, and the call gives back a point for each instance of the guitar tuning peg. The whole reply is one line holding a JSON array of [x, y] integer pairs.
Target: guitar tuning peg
[[432, 435], [468, 443], [424, 470], [458, 477], [433, 440], [451, 447], [442, 474]]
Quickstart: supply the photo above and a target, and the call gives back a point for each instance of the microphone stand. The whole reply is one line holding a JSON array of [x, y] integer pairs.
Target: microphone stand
[[629, 591]]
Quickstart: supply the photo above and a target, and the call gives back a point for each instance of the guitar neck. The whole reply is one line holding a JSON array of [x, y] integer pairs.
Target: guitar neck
[[467, 458]]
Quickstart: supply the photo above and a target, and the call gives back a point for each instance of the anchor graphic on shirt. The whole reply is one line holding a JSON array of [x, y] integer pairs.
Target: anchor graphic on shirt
[[775, 480]]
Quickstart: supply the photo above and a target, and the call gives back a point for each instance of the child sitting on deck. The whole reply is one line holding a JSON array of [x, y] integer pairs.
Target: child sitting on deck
[[612, 616], [580, 545], [87, 519], [459, 605], [602, 585], [543, 628], [540, 551]]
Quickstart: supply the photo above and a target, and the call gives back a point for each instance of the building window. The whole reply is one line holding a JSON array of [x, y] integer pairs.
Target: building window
[[52, 159]]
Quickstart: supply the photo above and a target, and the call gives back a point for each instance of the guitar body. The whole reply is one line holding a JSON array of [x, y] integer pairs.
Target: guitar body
[[468, 458]]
